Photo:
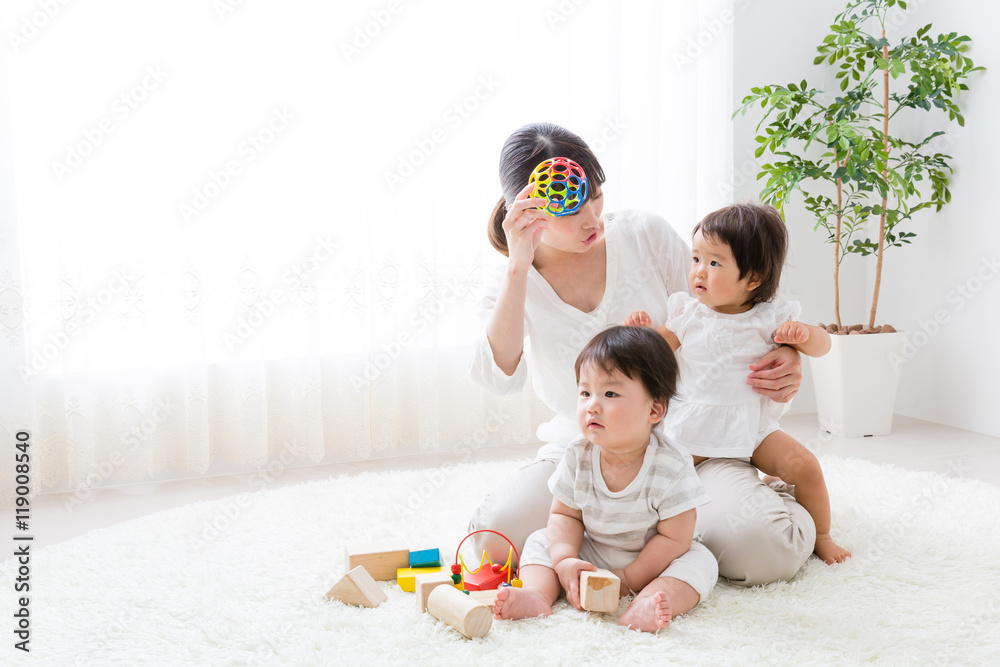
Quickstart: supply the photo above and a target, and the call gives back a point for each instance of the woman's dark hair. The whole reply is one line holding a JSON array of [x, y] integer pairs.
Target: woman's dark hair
[[756, 235], [519, 156], [638, 353]]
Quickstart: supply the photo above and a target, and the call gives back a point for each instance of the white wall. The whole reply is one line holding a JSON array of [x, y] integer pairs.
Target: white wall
[[951, 375]]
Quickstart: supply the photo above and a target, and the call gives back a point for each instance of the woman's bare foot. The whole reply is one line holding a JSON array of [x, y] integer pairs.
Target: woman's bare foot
[[830, 551], [648, 614], [514, 603]]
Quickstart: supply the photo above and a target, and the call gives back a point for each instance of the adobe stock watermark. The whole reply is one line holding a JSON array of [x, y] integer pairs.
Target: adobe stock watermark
[[753, 506], [370, 30], [230, 509], [218, 180], [435, 478], [379, 361], [958, 297], [919, 505], [708, 32], [40, 357], [292, 280], [453, 117], [897, 16], [122, 106], [155, 417], [223, 8], [562, 12], [33, 24], [611, 132], [635, 280], [979, 621]]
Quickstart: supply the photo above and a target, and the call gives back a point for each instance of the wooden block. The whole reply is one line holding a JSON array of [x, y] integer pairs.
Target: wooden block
[[599, 591], [358, 588], [425, 583], [460, 611], [381, 558], [405, 576], [488, 598], [425, 558]]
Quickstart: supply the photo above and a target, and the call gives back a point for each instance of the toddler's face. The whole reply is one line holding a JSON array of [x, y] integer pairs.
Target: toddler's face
[[614, 411], [714, 277]]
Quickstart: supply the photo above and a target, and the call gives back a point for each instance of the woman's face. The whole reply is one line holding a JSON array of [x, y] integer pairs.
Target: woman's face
[[579, 232]]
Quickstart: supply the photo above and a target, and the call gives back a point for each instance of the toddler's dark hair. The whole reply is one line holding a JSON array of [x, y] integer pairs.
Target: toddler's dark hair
[[637, 352], [758, 239], [522, 152]]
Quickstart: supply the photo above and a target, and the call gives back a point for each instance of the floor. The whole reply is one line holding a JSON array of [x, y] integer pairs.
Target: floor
[[913, 444]]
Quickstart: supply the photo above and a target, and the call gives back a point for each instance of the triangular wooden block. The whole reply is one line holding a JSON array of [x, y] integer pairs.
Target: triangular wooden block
[[358, 588]]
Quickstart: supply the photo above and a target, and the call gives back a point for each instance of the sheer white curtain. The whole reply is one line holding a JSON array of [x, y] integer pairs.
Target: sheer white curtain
[[241, 233]]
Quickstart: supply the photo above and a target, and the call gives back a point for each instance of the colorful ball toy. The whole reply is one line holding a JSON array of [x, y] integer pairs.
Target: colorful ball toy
[[562, 182]]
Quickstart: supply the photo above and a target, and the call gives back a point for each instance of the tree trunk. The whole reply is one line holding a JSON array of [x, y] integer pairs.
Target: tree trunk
[[885, 179], [836, 243]]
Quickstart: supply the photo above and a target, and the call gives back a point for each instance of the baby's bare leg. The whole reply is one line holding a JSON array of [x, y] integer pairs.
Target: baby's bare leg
[[780, 454], [657, 603], [539, 589]]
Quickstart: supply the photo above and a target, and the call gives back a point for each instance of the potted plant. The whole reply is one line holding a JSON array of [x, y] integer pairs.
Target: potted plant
[[854, 169]]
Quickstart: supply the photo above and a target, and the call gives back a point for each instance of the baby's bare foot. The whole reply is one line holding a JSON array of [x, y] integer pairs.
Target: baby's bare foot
[[513, 603], [771, 479], [830, 551], [647, 614]]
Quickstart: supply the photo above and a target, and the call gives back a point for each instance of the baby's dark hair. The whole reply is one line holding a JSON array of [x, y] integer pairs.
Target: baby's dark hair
[[756, 235], [637, 352], [522, 152]]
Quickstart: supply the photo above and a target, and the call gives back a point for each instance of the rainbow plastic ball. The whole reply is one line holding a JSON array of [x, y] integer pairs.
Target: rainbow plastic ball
[[561, 181]]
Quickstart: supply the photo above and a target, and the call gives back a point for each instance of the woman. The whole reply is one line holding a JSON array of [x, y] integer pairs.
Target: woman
[[567, 278]]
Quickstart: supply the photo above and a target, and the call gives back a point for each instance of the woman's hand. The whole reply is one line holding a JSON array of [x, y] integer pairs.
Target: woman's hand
[[524, 226], [777, 375], [568, 570]]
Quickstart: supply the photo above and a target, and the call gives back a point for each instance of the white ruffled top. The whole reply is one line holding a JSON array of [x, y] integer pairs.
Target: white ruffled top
[[715, 412]]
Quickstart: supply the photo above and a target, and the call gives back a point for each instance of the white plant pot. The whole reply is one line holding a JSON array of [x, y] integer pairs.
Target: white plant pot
[[856, 383]]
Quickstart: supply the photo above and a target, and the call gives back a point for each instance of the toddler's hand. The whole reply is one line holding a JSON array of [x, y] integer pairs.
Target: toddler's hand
[[568, 570], [639, 319], [791, 333]]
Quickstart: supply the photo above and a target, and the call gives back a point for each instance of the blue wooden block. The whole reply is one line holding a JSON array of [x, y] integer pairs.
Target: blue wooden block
[[425, 558]]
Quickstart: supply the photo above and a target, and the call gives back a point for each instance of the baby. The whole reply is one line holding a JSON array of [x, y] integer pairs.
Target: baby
[[624, 498], [737, 254]]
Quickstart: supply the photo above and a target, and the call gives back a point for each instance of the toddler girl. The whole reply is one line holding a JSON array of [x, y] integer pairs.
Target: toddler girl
[[737, 254], [624, 497]]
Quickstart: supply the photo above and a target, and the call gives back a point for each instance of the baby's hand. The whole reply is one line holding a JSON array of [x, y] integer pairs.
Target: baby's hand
[[791, 333], [639, 319], [568, 570]]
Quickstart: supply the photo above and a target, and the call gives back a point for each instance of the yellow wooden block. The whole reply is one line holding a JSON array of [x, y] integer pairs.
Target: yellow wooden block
[[405, 576]]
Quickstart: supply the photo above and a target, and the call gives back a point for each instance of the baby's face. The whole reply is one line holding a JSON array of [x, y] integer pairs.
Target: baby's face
[[614, 411], [714, 277]]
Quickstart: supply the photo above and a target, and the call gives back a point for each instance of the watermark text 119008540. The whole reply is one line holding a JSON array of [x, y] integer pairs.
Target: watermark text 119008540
[[22, 543]]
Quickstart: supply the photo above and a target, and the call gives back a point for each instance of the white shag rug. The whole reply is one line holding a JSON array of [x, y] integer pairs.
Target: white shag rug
[[240, 581]]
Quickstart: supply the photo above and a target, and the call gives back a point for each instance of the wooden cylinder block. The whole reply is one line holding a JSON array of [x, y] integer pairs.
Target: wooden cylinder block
[[469, 617]]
